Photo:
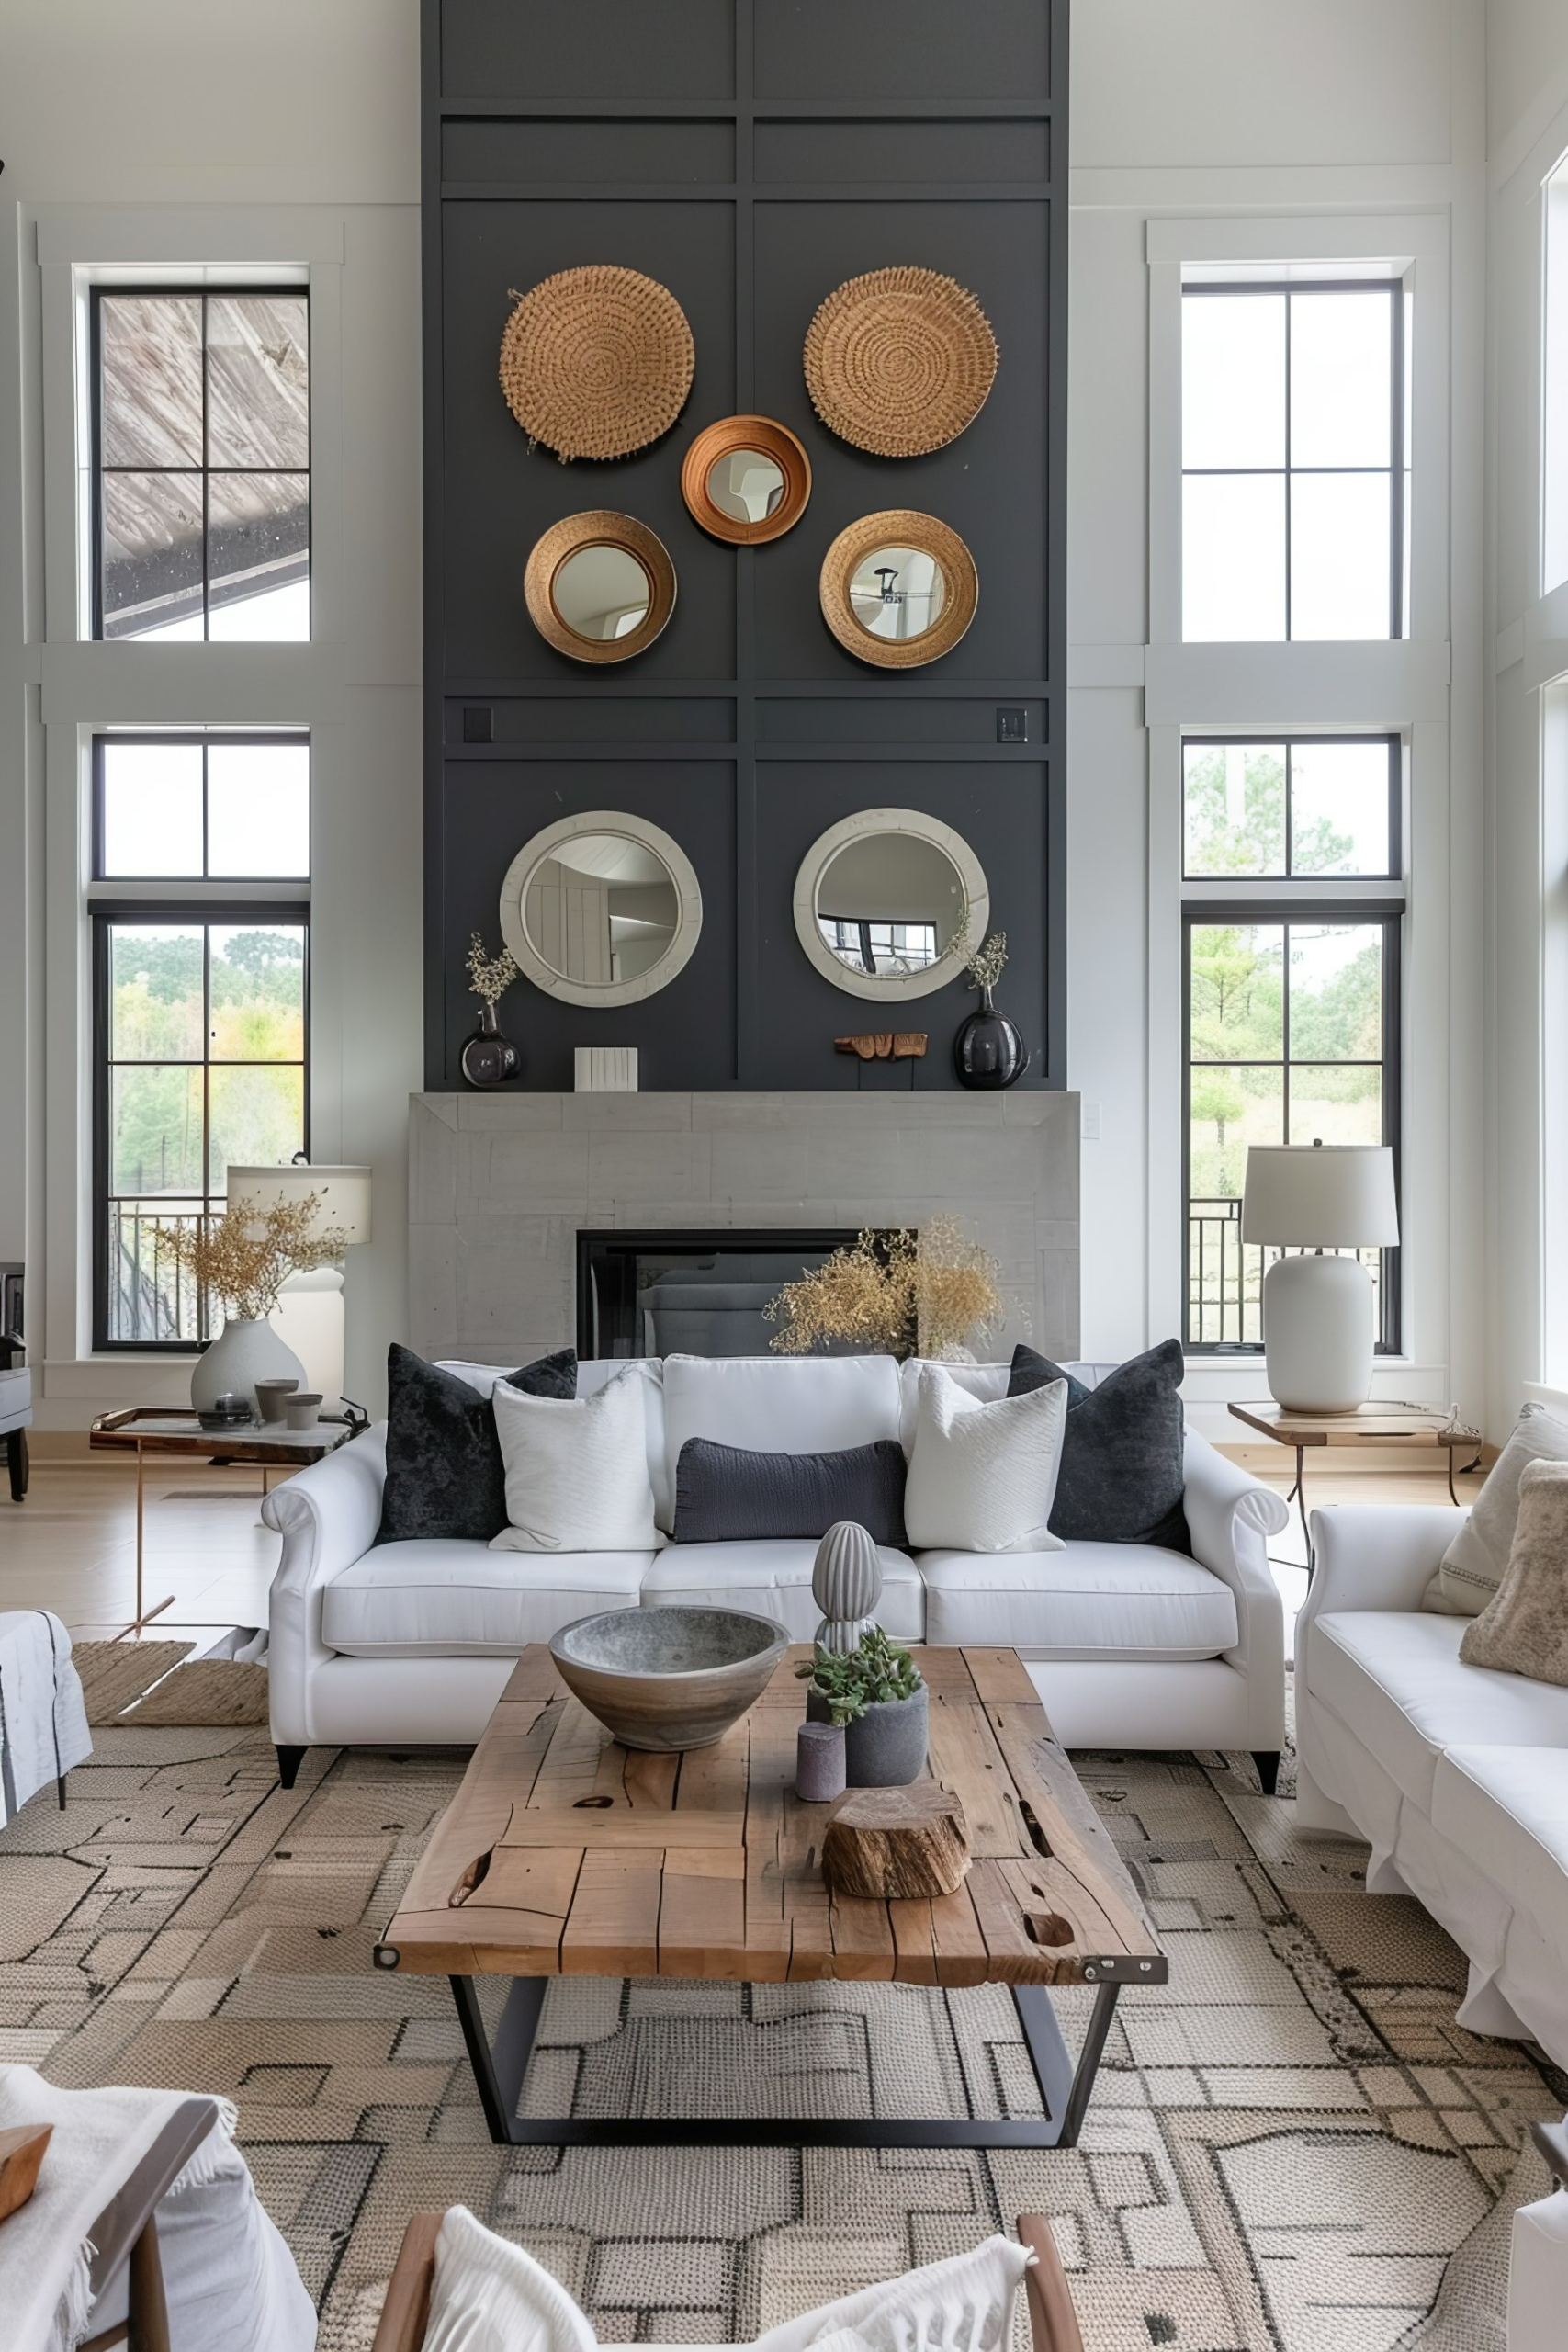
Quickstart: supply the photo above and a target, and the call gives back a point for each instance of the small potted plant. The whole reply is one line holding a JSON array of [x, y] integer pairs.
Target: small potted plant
[[876, 1692]]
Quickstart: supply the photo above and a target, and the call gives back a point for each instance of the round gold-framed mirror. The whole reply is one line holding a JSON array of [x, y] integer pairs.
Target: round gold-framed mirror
[[601, 909], [600, 586], [745, 480], [898, 589], [885, 900]]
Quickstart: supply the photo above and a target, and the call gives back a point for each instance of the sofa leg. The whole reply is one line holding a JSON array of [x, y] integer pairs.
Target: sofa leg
[[16, 1459], [1268, 1762], [288, 1762]]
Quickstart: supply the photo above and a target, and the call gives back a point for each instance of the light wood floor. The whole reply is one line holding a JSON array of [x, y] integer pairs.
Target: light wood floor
[[71, 1547]]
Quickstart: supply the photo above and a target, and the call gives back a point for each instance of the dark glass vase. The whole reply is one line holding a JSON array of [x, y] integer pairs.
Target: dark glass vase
[[988, 1050], [489, 1058]]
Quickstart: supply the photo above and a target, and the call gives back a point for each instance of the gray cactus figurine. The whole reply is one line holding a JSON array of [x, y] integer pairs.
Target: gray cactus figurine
[[847, 1584]]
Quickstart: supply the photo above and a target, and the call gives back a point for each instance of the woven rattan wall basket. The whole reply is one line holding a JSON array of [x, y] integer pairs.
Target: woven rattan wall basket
[[898, 362], [596, 362]]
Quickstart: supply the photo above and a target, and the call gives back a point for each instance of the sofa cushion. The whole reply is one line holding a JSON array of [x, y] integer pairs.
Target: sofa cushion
[[779, 1404], [576, 1469], [593, 1372], [1121, 1474], [1396, 1680], [775, 1580], [1129, 1602], [443, 1467], [982, 1476], [1471, 1568], [1506, 1809], [728, 1493], [450, 1599]]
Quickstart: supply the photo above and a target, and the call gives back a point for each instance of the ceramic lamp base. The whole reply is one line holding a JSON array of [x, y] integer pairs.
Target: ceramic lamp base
[[1317, 1333]]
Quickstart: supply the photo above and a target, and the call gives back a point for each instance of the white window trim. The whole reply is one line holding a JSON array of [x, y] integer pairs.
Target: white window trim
[[1401, 686], [87, 685]]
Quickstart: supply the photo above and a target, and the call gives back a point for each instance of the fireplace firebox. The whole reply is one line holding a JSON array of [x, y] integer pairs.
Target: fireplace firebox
[[688, 1294]]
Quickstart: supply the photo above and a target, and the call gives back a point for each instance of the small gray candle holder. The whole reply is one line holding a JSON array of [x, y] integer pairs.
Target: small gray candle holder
[[819, 1763]]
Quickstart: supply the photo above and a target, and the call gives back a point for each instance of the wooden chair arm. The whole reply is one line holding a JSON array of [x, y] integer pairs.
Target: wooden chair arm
[[1053, 2323], [406, 2311]]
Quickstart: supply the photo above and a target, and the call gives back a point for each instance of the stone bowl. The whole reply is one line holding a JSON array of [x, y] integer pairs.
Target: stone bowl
[[669, 1678]]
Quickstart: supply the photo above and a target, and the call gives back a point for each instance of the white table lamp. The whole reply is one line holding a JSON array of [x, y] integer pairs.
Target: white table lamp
[[1317, 1310], [309, 1313]]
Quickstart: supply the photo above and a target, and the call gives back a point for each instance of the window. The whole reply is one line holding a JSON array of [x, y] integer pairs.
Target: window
[[218, 807], [200, 940], [1295, 436], [1310, 806], [1290, 1001], [202, 1025], [879, 947], [201, 458]]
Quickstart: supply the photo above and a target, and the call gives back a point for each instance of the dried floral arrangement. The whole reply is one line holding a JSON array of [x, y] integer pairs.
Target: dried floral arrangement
[[893, 1292], [489, 976], [244, 1257], [985, 964]]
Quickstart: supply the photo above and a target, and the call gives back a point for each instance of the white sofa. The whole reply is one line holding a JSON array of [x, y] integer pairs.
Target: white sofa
[[1456, 1776], [1131, 1645]]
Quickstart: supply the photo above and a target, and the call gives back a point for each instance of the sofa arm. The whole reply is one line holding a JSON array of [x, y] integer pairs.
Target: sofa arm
[[1378, 1558], [1229, 1517], [327, 1516]]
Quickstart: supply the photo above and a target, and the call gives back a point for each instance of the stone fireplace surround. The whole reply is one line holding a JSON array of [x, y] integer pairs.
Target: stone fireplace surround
[[500, 1184]]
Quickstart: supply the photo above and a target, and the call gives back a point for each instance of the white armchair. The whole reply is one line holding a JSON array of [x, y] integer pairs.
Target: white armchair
[[1537, 2262]]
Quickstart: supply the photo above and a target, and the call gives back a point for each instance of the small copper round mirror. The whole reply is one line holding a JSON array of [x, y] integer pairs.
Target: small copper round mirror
[[600, 586], [745, 480], [898, 589]]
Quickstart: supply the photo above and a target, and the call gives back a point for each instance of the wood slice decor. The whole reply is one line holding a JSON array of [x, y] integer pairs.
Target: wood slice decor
[[899, 361], [596, 362], [893, 1843]]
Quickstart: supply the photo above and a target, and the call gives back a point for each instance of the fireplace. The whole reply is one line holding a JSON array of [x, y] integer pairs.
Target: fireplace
[[662, 1294]]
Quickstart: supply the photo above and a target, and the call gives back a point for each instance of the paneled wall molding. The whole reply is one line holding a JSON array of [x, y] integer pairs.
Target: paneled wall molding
[[750, 159]]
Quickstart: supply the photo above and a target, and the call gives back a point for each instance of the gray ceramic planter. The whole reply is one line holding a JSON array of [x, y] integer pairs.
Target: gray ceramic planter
[[886, 1748]]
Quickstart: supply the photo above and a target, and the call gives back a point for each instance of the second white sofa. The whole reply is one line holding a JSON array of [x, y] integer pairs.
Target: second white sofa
[[1131, 1645]]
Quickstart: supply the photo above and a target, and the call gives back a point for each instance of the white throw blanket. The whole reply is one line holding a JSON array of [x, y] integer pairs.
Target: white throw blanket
[[229, 2280], [43, 1722]]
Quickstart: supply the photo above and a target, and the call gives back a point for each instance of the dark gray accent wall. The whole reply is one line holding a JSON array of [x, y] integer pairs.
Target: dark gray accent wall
[[749, 154]]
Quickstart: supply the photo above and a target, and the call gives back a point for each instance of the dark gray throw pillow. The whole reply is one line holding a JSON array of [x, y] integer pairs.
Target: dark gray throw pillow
[[444, 1475], [727, 1494], [1121, 1479]]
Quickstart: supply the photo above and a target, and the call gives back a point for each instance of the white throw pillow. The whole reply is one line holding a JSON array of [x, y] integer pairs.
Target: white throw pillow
[[487, 2295], [575, 1470], [1471, 1568], [983, 1477]]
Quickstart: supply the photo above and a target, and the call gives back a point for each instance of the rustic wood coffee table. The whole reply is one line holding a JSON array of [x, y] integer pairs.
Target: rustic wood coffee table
[[563, 1854]]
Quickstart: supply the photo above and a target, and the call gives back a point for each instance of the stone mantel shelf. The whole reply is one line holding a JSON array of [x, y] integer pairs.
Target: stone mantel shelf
[[500, 1184]]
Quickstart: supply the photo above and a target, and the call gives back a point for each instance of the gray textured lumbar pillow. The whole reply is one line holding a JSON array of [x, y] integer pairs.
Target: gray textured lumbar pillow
[[1524, 1627], [729, 1494], [1472, 1568], [1122, 1474]]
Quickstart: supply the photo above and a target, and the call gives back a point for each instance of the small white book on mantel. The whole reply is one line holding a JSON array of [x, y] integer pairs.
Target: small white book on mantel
[[606, 1070]]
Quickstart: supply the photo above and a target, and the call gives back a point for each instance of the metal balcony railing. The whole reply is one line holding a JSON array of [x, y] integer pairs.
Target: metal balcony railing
[[1225, 1278]]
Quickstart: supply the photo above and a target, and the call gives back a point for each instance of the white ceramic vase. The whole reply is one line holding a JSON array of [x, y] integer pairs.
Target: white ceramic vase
[[242, 1354]]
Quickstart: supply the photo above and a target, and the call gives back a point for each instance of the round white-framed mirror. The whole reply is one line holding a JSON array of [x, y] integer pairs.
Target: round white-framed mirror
[[885, 900], [601, 909]]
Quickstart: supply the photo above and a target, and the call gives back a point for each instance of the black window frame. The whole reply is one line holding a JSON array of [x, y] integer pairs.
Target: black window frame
[[1398, 466], [1286, 737], [184, 739], [105, 913], [1390, 914], [300, 290]]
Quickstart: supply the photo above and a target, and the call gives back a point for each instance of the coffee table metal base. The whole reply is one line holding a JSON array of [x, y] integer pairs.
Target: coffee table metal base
[[500, 2067]]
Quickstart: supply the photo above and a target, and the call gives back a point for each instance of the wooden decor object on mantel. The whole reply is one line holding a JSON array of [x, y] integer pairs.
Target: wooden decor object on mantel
[[21, 2153], [891, 1844], [885, 1045]]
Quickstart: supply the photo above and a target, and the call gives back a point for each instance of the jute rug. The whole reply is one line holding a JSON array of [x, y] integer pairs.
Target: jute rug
[[1287, 2144]]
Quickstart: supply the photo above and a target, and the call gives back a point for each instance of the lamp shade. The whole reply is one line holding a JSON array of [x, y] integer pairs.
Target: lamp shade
[[1320, 1196], [342, 1193]]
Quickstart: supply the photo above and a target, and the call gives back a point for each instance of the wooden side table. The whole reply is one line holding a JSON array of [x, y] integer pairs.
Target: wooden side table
[[163, 1428], [1369, 1424]]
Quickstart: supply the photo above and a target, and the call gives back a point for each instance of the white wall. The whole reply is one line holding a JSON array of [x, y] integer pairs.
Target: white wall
[[299, 125], [1233, 108], [1527, 639]]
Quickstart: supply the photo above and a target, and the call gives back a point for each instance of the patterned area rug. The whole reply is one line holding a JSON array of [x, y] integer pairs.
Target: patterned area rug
[[1286, 2144]]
